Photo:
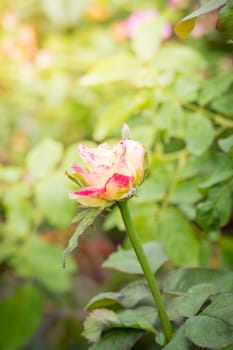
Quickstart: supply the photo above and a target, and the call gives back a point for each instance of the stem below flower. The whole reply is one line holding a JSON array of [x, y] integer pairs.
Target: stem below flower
[[132, 233]]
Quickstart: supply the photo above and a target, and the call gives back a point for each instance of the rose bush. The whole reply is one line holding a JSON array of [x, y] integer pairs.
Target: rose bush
[[113, 173]]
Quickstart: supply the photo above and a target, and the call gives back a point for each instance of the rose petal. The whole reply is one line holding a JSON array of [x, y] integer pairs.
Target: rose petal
[[121, 166], [134, 159], [118, 186], [77, 169], [90, 179], [97, 157], [90, 201], [89, 196]]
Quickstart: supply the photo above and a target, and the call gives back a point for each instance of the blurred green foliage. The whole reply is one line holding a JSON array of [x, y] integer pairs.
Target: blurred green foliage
[[70, 72]]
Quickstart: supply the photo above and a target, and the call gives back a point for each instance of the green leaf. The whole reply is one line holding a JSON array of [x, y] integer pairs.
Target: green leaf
[[221, 307], [103, 300], [197, 166], [43, 158], [111, 69], [225, 22], [186, 88], [208, 332], [147, 39], [98, 321], [185, 58], [223, 105], [118, 113], [223, 171], [152, 191], [183, 279], [226, 144], [175, 232], [143, 213], [114, 220], [101, 320], [51, 195], [199, 133], [189, 304], [155, 186], [179, 341], [126, 260], [131, 295], [64, 13], [215, 212], [85, 219], [186, 192], [41, 261], [188, 210], [160, 338], [20, 317], [116, 339], [185, 26], [19, 211], [170, 119], [10, 174], [135, 293], [215, 87], [142, 317], [226, 245], [144, 134], [227, 347], [7, 250]]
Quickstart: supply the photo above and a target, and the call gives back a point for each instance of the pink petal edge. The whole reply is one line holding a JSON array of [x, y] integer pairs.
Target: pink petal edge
[[88, 192]]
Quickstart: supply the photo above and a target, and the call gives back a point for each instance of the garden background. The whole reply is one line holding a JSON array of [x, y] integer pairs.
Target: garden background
[[75, 71]]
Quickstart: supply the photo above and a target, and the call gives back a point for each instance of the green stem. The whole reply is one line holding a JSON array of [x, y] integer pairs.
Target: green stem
[[132, 233]]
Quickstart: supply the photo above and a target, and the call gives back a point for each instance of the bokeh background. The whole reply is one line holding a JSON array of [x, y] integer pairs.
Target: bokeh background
[[74, 71]]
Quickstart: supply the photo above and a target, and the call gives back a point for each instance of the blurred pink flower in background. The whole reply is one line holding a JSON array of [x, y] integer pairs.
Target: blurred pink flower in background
[[128, 28], [174, 4], [138, 18], [113, 173], [167, 31], [9, 19], [22, 43]]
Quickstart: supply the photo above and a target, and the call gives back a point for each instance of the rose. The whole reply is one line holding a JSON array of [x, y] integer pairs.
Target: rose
[[113, 173]]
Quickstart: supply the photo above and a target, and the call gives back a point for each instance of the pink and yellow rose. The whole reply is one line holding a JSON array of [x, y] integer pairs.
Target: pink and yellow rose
[[112, 173]]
